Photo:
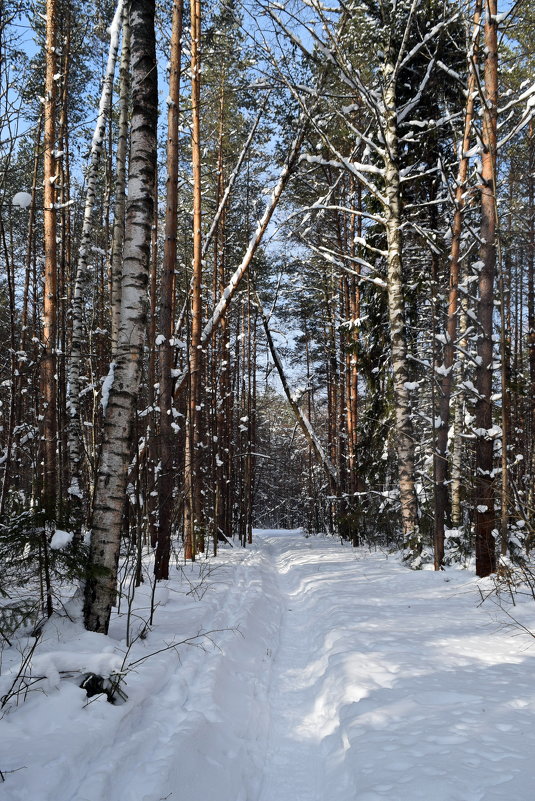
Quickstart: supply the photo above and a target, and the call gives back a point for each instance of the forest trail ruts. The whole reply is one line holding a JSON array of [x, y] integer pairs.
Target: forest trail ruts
[[385, 677], [335, 674], [190, 707]]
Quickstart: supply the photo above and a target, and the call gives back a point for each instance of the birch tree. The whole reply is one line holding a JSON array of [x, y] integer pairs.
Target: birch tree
[[391, 202], [378, 117], [116, 258], [78, 338], [124, 377]]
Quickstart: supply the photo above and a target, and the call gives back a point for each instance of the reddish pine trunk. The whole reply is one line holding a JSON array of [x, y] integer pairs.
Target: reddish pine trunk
[[484, 488], [192, 505], [166, 478], [48, 360], [441, 458]]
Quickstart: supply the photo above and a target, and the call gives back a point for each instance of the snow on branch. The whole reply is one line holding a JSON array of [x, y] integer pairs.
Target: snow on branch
[[335, 259], [408, 107], [354, 167], [292, 162], [427, 38], [351, 77]]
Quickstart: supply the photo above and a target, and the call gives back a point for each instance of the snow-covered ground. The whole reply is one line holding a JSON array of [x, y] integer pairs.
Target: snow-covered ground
[[330, 675]]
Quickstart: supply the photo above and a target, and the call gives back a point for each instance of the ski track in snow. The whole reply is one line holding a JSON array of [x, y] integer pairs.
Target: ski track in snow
[[338, 675], [391, 684]]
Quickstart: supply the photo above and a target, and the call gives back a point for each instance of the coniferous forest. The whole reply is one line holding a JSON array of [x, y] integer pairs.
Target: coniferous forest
[[262, 265]]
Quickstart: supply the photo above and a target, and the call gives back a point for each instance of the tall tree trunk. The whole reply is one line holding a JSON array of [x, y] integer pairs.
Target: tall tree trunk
[[457, 454], [441, 455], [116, 260], [48, 370], [355, 480], [220, 351], [149, 474], [64, 262], [531, 328], [192, 505], [166, 477], [484, 487], [505, 360], [396, 312], [116, 447], [78, 338], [11, 419]]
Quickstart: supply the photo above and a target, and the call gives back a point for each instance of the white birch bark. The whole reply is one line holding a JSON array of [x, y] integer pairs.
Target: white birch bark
[[383, 183], [75, 439], [116, 259], [396, 313], [117, 441]]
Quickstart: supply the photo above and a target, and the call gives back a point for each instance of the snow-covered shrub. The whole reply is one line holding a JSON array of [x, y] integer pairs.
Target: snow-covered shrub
[[34, 562]]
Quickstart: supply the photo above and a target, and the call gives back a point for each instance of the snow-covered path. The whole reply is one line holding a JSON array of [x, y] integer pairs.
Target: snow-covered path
[[338, 675], [393, 685]]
